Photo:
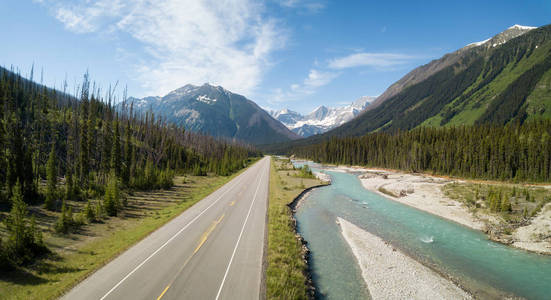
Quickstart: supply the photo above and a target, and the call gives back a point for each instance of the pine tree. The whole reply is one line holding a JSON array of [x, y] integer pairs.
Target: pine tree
[[128, 156], [111, 199], [116, 151], [89, 212], [64, 220], [16, 222], [100, 211], [51, 187]]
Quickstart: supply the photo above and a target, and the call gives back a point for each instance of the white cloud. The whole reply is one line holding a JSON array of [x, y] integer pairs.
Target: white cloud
[[308, 6], [308, 86], [380, 60], [227, 43], [317, 79]]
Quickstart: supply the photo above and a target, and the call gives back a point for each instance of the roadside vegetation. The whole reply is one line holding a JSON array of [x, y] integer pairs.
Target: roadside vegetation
[[84, 236], [287, 274], [71, 164], [513, 205]]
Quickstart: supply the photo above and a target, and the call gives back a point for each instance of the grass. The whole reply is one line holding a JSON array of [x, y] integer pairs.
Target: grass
[[77, 255], [286, 274]]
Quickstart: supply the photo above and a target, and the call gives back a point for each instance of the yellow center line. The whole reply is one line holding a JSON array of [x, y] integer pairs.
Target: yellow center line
[[207, 233], [161, 295], [202, 241], [232, 203]]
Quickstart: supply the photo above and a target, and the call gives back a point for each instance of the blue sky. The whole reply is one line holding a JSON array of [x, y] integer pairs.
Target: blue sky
[[279, 53]]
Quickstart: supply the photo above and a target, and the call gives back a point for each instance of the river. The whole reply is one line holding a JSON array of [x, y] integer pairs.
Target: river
[[485, 268]]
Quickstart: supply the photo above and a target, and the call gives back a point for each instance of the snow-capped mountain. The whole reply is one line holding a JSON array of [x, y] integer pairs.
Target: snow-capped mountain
[[503, 37], [425, 71], [322, 118], [218, 112]]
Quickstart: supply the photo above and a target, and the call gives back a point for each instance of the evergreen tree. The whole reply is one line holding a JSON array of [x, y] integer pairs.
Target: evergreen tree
[[89, 212], [128, 156], [116, 150], [51, 187], [62, 224], [16, 222], [111, 199], [24, 241]]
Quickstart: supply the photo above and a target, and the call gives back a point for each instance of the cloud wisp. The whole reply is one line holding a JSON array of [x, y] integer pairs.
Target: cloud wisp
[[308, 86], [228, 43], [364, 59]]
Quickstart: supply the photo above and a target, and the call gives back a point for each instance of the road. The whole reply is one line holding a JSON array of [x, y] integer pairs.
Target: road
[[214, 250]]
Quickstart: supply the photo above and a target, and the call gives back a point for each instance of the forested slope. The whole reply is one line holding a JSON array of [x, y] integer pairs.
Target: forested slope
[[55, 147], [486, 85], [513, 152]]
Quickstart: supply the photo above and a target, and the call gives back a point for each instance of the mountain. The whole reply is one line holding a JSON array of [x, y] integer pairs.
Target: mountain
[[322, 118], [423, 72], [503, 79], [216, 111]]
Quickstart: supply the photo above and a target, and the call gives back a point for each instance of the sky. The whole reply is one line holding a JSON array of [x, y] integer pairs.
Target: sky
[[296, 54]]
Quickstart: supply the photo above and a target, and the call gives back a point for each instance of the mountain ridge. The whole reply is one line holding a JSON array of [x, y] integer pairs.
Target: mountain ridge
[[322, 118], [216, 111], [423, 72]]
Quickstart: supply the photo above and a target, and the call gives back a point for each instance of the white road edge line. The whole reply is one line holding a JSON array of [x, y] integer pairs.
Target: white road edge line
[[239, 238], [169, 240]]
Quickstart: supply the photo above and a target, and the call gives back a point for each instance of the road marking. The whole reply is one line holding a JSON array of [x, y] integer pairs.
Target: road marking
[[161, 295], [172, 238], [202, 241], [232, 203], [207, 233], [239, 238]]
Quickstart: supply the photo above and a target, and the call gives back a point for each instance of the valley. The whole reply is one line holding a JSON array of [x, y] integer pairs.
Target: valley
[[204, 150]]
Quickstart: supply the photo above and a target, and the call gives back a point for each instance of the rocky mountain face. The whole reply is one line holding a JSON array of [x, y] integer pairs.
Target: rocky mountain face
[[322, 118], [216, 111]]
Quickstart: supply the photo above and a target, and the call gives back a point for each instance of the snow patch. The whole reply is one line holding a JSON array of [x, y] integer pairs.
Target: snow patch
[[206, 99], [476, 44], [521, 27]]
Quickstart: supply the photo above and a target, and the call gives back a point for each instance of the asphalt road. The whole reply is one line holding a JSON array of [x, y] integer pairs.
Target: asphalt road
[[214, 250]]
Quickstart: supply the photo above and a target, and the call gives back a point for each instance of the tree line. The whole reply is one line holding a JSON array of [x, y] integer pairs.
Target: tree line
[[56, 147], [514, 152]]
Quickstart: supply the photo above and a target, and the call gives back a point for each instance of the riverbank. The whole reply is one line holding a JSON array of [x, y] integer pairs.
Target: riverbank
[[531, 232], [287, 275], [422, 192], [390, 274]]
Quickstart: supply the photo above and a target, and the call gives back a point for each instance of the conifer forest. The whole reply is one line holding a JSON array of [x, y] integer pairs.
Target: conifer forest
[[56, 147]]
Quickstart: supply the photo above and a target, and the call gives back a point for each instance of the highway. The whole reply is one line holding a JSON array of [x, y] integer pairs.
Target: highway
[[214, 250]]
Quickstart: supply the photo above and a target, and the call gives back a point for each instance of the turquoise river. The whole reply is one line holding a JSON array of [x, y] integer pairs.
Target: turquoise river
[[485, 268]]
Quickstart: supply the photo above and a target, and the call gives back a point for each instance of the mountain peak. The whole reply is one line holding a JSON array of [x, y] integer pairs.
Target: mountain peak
[[218, 112], [322, 118], [504, 36], [362, 102], [521, 27], [191, 88]]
